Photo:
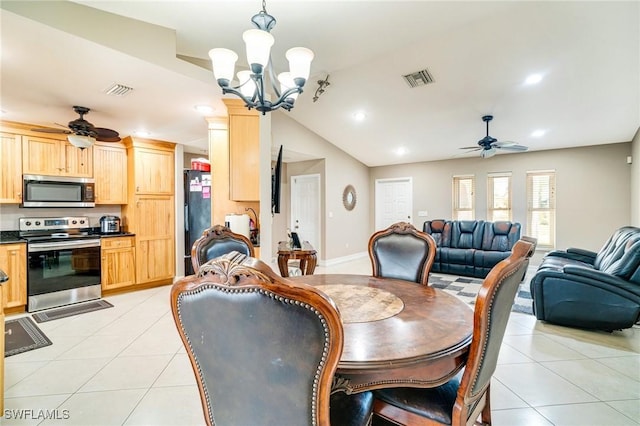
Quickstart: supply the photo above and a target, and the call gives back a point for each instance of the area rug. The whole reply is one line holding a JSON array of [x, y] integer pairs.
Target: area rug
[[467, 289], [22, 335], [68, 311]]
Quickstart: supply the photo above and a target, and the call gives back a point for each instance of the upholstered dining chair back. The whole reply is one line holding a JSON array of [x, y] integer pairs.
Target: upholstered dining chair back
[[215, 242], [402, 252], [264, 351], [463, 399], [492, 309]]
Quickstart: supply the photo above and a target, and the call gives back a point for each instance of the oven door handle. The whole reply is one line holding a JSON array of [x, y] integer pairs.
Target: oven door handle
[[61, 245]]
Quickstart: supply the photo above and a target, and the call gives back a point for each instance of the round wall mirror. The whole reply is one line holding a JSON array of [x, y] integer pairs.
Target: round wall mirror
[[349, 197]]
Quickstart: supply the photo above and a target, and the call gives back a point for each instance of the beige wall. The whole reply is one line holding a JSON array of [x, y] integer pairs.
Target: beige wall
[[635, 180], [593, 186], [346, 232]]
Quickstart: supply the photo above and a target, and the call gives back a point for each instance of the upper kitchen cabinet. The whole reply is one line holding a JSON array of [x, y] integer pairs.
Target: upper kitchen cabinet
[[244, 151], [110, 173], [10, 168], [151, 166], [55, 157]]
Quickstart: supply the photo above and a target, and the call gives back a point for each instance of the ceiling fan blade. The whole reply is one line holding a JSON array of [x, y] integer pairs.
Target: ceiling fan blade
[[486, 153], [502, 144], [106, 135], [475, 148], [514, 147], [48, 130]]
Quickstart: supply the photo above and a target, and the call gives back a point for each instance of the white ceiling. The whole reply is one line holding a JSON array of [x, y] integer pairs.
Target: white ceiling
[[59, 54]]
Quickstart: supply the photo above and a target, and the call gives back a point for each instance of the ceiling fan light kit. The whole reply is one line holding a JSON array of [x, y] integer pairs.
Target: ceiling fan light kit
[[489, 146], [251, 88], [80, 141]]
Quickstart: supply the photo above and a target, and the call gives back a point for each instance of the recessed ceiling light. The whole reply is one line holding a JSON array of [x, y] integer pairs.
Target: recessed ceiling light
[[359, 115], [401, 151], [538, 133], [203, 109], [533, 79], [143, 133]]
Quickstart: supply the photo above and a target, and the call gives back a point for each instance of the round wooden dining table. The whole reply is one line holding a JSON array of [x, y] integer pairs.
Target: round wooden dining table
[[396, 333]]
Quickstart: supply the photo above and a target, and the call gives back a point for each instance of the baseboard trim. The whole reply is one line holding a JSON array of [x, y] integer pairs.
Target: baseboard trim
[[343, 259]]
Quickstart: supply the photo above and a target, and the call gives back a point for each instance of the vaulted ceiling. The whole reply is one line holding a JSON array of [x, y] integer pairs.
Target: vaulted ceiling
[[57, 54]]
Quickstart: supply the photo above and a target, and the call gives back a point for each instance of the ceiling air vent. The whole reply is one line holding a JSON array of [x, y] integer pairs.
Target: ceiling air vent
[[418, 78], [118, 90]]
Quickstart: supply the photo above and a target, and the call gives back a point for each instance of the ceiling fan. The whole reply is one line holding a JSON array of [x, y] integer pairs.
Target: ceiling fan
[[488, 145], [82, 133]]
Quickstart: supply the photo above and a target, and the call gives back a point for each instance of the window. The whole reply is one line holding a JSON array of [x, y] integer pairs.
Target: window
[[499, 196], [463, 197], [541, 207]]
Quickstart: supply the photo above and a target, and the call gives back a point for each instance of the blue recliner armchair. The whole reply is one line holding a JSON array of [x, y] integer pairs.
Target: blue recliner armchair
[[581, 288]]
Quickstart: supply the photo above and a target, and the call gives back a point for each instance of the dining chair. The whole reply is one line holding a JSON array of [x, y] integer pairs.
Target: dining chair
[[215, 242], [264, 350], [403, 252], [466, 397]]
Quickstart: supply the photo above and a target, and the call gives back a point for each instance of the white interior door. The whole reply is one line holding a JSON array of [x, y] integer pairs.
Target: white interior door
[[305, 208], [394, 201]]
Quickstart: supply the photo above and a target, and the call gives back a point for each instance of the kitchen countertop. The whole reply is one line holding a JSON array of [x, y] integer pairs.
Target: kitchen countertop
[[8, 237]]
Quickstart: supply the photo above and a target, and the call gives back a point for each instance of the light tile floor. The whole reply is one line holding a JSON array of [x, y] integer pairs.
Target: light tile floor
[[126, 366]]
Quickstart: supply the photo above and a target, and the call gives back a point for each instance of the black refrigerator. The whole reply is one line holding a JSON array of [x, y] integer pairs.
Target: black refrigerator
[[197, 210]]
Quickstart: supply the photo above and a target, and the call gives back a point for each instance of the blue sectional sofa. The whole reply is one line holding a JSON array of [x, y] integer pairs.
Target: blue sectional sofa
[[471, 247], [582, 288]]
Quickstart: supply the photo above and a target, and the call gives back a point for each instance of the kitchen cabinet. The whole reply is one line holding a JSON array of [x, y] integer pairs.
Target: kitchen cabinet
[[10, 168], [244, 151], [153, 171], [54, 157], [110, 173], [150, 209], [118, 267], [13, 261]]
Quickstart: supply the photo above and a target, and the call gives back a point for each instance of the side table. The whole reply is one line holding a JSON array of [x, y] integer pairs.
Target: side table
[[306, 255]]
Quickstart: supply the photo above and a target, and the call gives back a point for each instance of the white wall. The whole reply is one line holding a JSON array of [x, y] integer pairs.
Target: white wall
[[635, 180], [346, 232], [592, 188]]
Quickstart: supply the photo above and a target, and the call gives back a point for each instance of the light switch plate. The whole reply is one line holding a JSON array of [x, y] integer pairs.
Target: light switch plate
[[422, 213]]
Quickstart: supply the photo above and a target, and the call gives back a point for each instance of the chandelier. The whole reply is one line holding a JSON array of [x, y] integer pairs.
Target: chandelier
[[252, 86]]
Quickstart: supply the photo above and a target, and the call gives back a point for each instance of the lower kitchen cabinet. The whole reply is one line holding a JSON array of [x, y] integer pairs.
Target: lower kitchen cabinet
[[13, 261], [118, 267]]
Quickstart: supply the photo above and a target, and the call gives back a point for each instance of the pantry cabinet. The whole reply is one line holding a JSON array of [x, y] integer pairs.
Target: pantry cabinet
[[13, 261], [149, 212], [11, 168], [118, 262], [54, 157], [110, 173]]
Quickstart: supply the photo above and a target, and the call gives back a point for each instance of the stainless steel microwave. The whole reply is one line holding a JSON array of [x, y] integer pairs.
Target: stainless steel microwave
[[57, 191]]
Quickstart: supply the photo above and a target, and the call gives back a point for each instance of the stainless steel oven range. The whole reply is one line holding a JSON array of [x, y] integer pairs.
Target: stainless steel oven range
[[63, 265]]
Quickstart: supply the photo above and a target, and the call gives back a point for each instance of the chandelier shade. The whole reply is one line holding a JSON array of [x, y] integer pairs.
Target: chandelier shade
[[252, 87]]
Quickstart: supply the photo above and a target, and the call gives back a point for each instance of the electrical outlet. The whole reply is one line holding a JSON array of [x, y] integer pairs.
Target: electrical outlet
[[422, 213]]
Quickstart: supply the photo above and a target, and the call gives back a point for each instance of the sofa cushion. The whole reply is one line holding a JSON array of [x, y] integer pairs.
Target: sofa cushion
[[440, 230], [467, 234], [500, 236], [629, 259], [613, 249]]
